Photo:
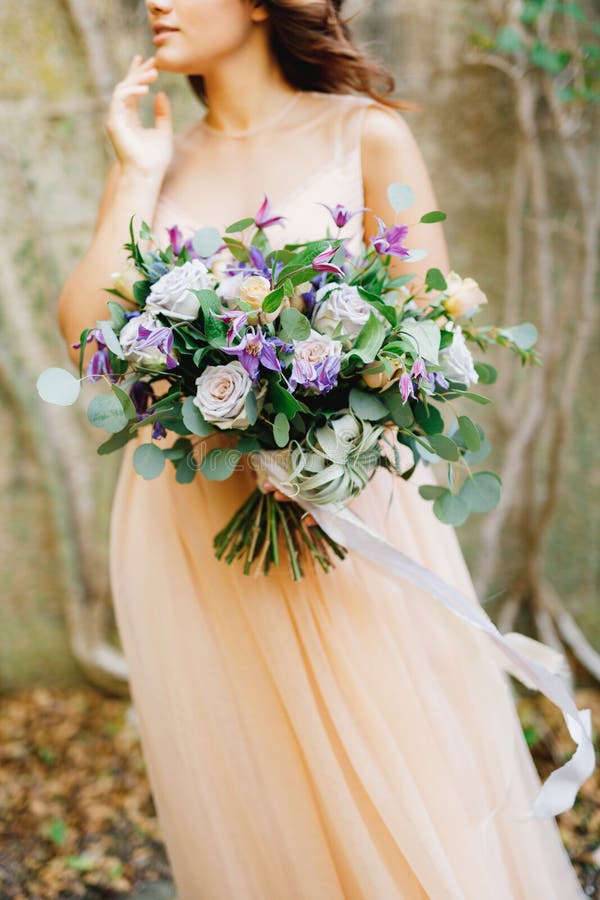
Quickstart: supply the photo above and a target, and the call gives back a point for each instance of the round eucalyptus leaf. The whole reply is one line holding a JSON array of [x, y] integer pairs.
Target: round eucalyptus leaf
[[481, 492], [148, 460], [444, 446], [193, 419], [56, 385], [367, 406], [523, 335], [469, 433], [432, 491], [294, 326], [450, 508], [400, 196], [105, 411], [206, 241], [219, 463]]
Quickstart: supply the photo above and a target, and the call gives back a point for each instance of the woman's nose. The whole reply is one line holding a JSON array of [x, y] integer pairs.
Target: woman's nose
[[156, 6]]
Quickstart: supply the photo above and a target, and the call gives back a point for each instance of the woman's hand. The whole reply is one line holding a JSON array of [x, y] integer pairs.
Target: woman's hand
[[147, 150], [283, 498]]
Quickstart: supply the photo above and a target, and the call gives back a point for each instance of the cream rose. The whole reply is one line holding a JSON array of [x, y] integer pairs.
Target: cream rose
[[254, 289], [172, 294], [316, 348], [464, 295], [374, 379], [221, 393], [342, 304]]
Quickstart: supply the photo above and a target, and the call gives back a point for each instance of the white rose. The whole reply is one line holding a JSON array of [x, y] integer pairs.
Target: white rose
[[342, 304], [316, 348], [221, 393], [464, 295], [456, 361], [172, 294], [152, 357]]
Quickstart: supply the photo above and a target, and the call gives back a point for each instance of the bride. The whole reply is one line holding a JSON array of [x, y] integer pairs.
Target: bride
[[342, 736]]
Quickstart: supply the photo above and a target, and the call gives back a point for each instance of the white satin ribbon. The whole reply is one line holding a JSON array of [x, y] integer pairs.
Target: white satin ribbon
[[536, 665]]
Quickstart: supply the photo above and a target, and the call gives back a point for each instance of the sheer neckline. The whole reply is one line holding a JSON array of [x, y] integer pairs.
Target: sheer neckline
[[284, 204], [262, 126]]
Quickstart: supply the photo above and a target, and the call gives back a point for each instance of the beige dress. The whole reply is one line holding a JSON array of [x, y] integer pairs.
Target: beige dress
[[344, 736]]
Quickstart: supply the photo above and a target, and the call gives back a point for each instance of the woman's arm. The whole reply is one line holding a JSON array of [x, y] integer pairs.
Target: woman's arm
[[82, 299], [132, 188], [390, 154]]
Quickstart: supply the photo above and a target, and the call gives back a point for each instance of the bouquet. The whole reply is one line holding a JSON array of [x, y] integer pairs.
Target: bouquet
[[312, 359]]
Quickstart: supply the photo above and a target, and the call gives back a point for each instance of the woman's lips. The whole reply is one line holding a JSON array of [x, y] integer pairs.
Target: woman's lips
[[163, 33]]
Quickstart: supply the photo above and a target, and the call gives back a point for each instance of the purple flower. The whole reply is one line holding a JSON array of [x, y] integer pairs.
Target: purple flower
[[440, 378], [389, 240], [406, 387], [161, 338], [99, 363], [341, 215], [255, 348], [176, 239], [236, 318], [322, 375], [309, 296], [263, 218], [322, 262], [419, 369], [142, 395]]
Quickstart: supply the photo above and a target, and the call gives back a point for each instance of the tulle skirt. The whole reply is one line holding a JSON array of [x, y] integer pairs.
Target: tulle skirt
[[342, 736]]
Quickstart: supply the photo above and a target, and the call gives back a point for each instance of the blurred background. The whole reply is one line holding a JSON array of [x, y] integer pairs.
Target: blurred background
[[508, 93]]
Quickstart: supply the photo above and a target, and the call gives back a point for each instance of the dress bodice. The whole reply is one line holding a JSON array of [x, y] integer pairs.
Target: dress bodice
[[308, 156]]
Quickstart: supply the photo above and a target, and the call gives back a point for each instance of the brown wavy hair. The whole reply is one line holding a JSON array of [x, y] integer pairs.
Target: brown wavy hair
[[315, 51]]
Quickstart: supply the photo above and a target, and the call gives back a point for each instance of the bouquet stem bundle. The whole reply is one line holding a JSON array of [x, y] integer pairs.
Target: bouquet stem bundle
[[259, 524]]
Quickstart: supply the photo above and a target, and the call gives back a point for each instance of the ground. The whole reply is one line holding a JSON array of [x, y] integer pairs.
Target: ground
[[76, 813]]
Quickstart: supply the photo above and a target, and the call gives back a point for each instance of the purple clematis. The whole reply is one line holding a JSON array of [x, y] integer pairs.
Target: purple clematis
[[263, 218], [322, 375], [322, 262], [99, 365], [389, 240], [406, 387], [341, 215], [161, 337], [142, 396], [255, 348]]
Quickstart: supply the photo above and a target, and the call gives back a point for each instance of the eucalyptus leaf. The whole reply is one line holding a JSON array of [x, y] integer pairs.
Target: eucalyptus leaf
[[220, 463], [58, 386], [148, 461], [432, 491], [206, 241], [481, 492], [294, 326], [451, 508], [193, 419], [400, 196], [523, 335], [469, 433], [105, 411], [114, 442], [416, 254], [444, 446], [367, 406]]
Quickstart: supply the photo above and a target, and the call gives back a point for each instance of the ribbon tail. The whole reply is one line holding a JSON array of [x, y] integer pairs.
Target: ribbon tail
[[535, 667]]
